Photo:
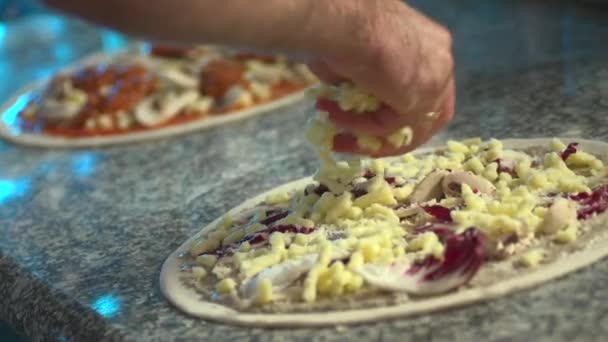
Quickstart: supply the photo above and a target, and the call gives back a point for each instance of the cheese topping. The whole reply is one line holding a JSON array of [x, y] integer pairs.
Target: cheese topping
[[532, 258], [363, 212], [313, 243]]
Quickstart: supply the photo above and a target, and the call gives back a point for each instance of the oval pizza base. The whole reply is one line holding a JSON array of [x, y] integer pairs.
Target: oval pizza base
[[189, 300], [14, 134]]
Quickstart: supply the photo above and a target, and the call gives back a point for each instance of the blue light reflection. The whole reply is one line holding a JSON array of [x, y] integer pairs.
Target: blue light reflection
[[107, 305], [10, 189], [9, 117], [83, 164], [112, 41], [63, 52], [45, 72], [2, 32]]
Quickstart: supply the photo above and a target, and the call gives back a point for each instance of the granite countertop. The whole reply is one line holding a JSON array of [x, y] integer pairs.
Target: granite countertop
[[83, 233]]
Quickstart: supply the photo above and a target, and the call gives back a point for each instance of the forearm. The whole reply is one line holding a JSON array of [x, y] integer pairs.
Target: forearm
[[294, 25]]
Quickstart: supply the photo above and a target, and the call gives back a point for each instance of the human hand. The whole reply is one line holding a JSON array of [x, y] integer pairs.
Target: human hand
[[405, 60]]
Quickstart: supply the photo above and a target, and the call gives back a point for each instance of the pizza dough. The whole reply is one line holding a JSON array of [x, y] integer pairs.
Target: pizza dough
[[176, 283], [12, 132]]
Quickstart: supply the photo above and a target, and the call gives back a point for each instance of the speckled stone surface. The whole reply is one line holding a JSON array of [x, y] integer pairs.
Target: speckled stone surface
[[84, 233]]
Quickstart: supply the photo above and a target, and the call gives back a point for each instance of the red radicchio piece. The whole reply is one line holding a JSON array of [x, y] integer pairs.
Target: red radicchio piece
[[502, 168], [592, 203], [369, 174], [319, 190], [442, 231], [274, 216], [260, 238], [570, 149], [439, 212], [464, 254], [358, 192], [462, 259], [390, 180], [291, 229]]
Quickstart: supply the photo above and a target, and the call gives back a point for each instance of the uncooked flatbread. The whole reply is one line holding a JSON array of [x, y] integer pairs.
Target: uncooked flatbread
[[10, 109], [590, 248]]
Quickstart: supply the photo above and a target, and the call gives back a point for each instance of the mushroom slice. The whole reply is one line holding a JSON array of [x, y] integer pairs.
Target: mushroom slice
[[266, 73], [451, 183], [260, 90], [179, 77], [185, 75], [237, 96], [158, 109], [560, 214], [60, 110], [202, 105], [429, 188], [64, 102]]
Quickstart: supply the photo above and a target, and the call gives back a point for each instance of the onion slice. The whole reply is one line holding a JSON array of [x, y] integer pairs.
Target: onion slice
[[286, 273], [281, 275], [170, 106], [179, 78]]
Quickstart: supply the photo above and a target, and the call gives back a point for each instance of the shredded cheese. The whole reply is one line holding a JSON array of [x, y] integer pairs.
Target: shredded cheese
[[365, 212]]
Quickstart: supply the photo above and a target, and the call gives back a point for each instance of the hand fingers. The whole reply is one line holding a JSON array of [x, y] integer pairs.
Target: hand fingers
[[430, 28], [408, 65], [382, 122], [408, 68], [347, 142]]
